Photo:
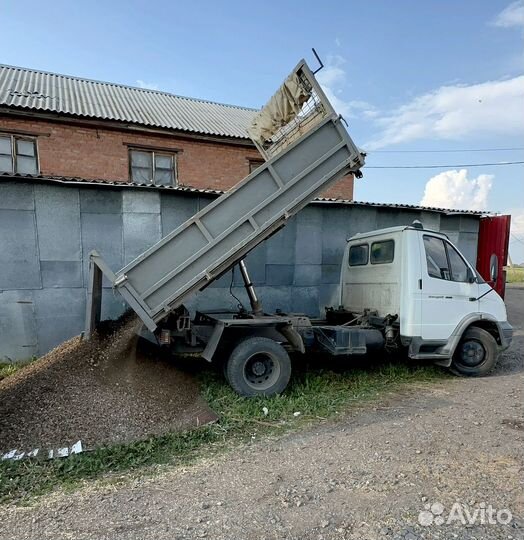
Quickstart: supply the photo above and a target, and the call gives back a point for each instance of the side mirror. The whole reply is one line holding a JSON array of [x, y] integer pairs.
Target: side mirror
[[494, 268], [471, 276]]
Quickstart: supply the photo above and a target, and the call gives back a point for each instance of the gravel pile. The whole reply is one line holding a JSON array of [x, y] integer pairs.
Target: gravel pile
[[101, 391]]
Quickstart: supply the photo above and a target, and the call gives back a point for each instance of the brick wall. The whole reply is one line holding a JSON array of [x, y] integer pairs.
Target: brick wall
[[93, 153]]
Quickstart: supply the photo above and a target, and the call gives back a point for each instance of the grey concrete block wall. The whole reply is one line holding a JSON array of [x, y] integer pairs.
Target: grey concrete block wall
[[47, 232], [19, 259]]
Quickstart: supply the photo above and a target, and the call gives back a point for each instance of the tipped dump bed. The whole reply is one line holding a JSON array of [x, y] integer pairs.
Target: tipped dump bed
[[306, 147]]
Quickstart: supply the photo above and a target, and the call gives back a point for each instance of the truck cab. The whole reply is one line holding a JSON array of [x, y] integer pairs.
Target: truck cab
[[444, 310]]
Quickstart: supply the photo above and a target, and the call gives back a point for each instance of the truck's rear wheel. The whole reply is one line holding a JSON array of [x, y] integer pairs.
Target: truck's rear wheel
[[258, 366], [476, 353]]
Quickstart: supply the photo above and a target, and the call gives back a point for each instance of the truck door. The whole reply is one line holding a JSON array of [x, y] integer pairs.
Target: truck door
[[446, 288], [492, 249]]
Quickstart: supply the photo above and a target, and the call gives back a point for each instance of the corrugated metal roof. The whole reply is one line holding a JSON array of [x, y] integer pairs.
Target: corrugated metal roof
[[217, 192], [447, 211], [23, 88]]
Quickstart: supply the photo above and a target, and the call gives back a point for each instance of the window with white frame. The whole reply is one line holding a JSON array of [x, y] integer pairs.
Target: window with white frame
[[18, 154], [152, 167]]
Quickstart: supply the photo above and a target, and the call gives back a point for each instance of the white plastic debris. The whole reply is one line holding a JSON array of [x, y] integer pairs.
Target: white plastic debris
[[9, 455], [62, 452], [297, 413], [76, 448], [265, 410]]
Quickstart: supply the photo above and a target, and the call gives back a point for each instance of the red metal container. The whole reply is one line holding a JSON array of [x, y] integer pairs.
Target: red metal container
[[492, 249]]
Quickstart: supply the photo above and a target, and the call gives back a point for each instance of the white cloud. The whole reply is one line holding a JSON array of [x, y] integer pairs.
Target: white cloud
[[517, 221], [453, 189], [512, 15], [516, 240], [147, 85], [455, 112], [333, 79]]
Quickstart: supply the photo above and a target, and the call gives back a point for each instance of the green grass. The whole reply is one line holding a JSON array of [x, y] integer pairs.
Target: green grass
[[515, 275], [316, 394], [9, 368]]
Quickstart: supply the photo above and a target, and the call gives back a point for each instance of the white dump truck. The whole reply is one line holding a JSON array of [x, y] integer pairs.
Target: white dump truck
[[404, 288]]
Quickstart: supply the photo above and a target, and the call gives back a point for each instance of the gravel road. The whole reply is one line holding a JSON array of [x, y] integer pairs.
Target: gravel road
[[368, 476]]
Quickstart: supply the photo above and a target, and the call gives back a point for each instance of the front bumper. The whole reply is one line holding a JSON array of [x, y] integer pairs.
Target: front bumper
[[506, 334]]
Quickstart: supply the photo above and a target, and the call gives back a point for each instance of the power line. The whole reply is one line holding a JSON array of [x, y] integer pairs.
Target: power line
[[499, 164], [446, 151]]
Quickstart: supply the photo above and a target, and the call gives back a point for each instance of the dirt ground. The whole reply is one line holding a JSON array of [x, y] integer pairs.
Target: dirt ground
[[368, 476]]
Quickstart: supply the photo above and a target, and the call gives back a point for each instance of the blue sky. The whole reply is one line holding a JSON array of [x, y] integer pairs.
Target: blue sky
[[407, 75]]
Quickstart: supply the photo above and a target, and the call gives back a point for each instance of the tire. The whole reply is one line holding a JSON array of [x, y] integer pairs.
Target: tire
[[258, 366], [476, 354]]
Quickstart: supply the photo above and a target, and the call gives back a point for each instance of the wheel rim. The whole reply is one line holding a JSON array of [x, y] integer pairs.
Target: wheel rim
[[472, 353], [261, 370]]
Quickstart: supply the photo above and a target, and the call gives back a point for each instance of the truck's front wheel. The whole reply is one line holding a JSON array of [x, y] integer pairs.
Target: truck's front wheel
[[258, 366], [476, 353]]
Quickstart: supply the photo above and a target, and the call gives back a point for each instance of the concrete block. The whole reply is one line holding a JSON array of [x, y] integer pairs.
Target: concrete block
[[335, 231], [60, 315], [140, 200], [281, 246], [452, 235], [361, 219], [328, 296], [17, 326], [330, 274], [224, 281], [16, 196], [307, 275], [468, 245], [52, 331], [274, 298], [59, 302], [450, 223], [308, 243], [61, 274], [101, 200], [102, 232], [305, 300], [204, 200], [113, 305], [217, 298], [430, 220], [19, 265], [469, 224], [176, 209], [58, 222], [256, 266], [279, 274], [141, 231], [393, 217]]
